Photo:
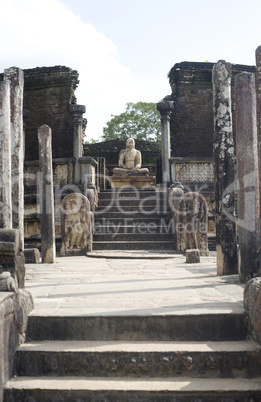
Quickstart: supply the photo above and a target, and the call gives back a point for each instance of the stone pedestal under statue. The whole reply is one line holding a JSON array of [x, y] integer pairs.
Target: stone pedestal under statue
[[139, 182]]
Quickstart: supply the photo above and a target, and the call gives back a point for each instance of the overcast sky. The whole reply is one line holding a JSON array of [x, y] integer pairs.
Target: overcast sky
[[124, 49]]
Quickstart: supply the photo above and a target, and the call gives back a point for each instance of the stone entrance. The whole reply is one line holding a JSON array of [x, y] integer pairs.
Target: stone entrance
[[133, 219]]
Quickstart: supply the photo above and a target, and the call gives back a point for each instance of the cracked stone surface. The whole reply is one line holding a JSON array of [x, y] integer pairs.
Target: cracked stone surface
[[105, 285]]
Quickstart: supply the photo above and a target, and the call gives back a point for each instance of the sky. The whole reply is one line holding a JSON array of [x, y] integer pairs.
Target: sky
[[124, 49]]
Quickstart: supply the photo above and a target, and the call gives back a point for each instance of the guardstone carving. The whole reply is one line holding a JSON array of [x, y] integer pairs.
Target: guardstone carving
[[76, 225], [7, 283], [252, 304], [190, 214]]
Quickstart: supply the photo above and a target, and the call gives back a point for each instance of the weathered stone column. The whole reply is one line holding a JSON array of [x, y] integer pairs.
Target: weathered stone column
[[88, 168], [5, 158], [46, 194], [258, 104], [25, 117], [165, 109], [77, 112], [224, 169], [15, 77], [248, 177]]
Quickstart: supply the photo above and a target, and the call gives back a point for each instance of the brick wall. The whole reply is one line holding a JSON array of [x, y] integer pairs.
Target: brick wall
[[48, 92], [192, 121]]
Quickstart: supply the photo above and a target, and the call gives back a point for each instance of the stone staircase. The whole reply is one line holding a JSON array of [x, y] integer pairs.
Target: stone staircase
[[169, 358], [133, 220]]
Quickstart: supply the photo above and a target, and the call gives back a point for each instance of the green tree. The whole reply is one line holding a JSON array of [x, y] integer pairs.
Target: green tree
[[140, 121]]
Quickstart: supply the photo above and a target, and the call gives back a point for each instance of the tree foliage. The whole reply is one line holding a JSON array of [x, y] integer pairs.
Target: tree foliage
[[140, 120]]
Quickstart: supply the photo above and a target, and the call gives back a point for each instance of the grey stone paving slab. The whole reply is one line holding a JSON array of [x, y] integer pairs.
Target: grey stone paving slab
[[84, 285]]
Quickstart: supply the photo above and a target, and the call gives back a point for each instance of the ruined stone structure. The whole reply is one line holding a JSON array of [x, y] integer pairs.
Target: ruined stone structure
[[191, 122], [11, 175], [49, 99], [48, 92], [192, 128], [189, 150]]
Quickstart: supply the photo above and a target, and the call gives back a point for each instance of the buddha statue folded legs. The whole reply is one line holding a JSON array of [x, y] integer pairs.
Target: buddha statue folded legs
[[130, 161]]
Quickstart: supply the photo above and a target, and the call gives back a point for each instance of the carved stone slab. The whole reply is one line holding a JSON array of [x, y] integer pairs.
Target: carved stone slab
[[76, 225], [190, 214]]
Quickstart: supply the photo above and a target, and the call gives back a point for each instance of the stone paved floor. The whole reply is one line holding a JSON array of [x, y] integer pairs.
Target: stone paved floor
[[134, 286]]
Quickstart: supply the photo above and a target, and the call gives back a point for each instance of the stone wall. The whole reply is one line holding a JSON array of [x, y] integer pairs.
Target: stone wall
[[191, 124], [110, 150], [48, 92], [151, 151]]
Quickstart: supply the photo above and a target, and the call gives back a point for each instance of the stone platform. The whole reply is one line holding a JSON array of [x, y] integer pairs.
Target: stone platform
[[108, 285], [139, 182]]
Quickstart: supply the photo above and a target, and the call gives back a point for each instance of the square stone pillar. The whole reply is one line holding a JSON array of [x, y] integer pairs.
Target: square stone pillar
[[5, 158], [12, 255], [88, 167], [248, 222], [46, 195], [224, 170], [15, 77], [165, 109], [258, 104], [77, 112]]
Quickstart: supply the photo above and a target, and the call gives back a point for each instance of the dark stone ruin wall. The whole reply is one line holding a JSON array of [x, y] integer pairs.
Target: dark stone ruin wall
[[48, 92], [192, 121], [110, 150]]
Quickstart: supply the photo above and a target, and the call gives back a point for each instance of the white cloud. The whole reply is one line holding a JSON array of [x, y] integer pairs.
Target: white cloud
[[37, 33]]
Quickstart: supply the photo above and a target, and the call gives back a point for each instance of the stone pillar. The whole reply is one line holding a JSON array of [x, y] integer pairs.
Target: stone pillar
[[46, 194], [248, 177], [258, 102], [165, 109], [88, 167], [224, 169], [15, 77], [77, 112], [5, 158], [25, 117]]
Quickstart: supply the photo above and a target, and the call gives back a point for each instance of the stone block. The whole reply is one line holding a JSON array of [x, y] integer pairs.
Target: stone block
[[32, 256], [252, 304], [139, 182], [192, 256], [12, 255]]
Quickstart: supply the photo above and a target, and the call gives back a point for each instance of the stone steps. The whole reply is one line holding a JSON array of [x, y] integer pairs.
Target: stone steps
[[161, 328], [128, 193], [132, 237], [142, 218], [139, 359], [131, 245], [118, 226], [131, 210], [127, 201], [116, 214], [68, 389], [183, 357]]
